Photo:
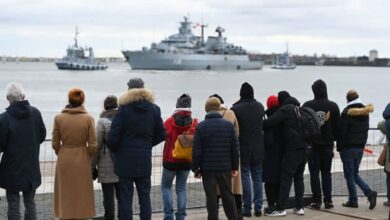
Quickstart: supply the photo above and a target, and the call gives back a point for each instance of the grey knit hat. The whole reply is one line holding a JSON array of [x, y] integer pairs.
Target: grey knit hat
[[135, 83], [184, 101]]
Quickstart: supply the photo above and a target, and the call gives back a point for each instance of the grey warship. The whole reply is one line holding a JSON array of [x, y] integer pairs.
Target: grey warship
[[186, 51], [76, 58]]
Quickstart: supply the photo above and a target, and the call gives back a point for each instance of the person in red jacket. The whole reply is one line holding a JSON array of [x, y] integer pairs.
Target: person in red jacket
[[180, 122]]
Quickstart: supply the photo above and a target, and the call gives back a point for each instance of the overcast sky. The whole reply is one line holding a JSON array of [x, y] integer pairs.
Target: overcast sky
[[333, 27]]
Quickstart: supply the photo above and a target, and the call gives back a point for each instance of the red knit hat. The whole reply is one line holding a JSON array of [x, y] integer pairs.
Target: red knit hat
[[272, 101]]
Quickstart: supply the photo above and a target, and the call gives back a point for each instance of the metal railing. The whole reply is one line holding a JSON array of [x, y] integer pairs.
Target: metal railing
[[369, 171]]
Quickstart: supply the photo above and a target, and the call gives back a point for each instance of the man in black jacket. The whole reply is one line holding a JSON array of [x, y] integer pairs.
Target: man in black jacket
[[21, 132], [215, 157], [294, 157], [321, 151], [354, 133], [250, 113]]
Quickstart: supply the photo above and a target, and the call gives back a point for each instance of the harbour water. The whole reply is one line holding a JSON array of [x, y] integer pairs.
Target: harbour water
[[47, 87]]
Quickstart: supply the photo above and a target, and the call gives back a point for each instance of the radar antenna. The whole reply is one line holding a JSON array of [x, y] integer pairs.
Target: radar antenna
[[220, 30], [75, 36]]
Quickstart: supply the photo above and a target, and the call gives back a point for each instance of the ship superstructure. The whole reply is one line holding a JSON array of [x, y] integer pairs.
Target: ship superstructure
[[79, 58], [186, 51]]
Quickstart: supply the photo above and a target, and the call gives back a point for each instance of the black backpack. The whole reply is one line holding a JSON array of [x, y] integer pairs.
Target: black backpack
[[308, 122]]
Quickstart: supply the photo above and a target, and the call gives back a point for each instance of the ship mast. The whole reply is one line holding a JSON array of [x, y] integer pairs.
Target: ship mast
[[75, 37]]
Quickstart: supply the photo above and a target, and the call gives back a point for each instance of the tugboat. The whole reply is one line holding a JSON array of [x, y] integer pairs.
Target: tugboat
[[76, 58], [284, 61], [186, 51]]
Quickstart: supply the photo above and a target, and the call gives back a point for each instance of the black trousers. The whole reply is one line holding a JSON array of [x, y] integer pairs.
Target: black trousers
[[272, 193], [210, 181], [320, 160], [293, 166], [109, 190], [13, 199]]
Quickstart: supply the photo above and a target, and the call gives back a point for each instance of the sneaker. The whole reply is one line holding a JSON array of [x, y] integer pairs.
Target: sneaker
[[276, 213], [258, 213], [315, 205], [329, 205], [299, 211], [372, 199], [350, 204], [387, 203]]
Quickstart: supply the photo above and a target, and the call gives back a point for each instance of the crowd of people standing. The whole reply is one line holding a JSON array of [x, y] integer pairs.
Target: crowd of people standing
[[234, 151]]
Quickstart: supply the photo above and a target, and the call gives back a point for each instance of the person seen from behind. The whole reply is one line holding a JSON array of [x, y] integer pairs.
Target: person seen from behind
[[250, 113], [386, 162], [103, 159], [354, 133], [181, 122], [320, 153], [135, 129], [216, 159], [21, 132], [294, 156], [273, 149], [74, 143], [229, 115]]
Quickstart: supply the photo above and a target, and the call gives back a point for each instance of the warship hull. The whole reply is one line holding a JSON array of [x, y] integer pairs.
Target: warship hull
[[78, 66], [177, 61], [284, 67]]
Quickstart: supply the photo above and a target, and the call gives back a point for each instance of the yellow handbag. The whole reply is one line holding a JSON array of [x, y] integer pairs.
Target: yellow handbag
[[183, 146]]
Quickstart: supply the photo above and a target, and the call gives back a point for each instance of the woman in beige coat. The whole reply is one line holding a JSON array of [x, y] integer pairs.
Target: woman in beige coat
[[74, 142], [236, 181]]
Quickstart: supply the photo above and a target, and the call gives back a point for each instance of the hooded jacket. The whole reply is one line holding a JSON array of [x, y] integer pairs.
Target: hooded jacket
[[286, 118], [178, 123], [21, 132], [250, 113], [354, 125], [329, 114], [135, 129]]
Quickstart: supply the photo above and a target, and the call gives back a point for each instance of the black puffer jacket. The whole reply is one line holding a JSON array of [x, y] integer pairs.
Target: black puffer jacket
[[250, 113], [329, 114], [215, 146], [354, 126], [273, 147], [287, 118], [21, 132]]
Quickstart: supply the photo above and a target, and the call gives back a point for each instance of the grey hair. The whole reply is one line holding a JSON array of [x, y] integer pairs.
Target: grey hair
[[15, 92]]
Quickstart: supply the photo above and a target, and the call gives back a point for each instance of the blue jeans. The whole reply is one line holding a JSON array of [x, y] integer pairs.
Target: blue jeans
[[351, 158], [252, 173], [143, 185], [166, 184]]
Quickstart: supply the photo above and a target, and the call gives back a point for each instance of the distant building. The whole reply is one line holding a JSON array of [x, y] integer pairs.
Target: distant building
[[373, 55]]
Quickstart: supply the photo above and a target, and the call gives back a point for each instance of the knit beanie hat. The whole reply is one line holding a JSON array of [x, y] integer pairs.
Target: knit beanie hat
[[282, 96], [76, 97], [272, 101], [218, 97], [135, 83], [352, 95], [184, 101], [246, 91], [212, 104]]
